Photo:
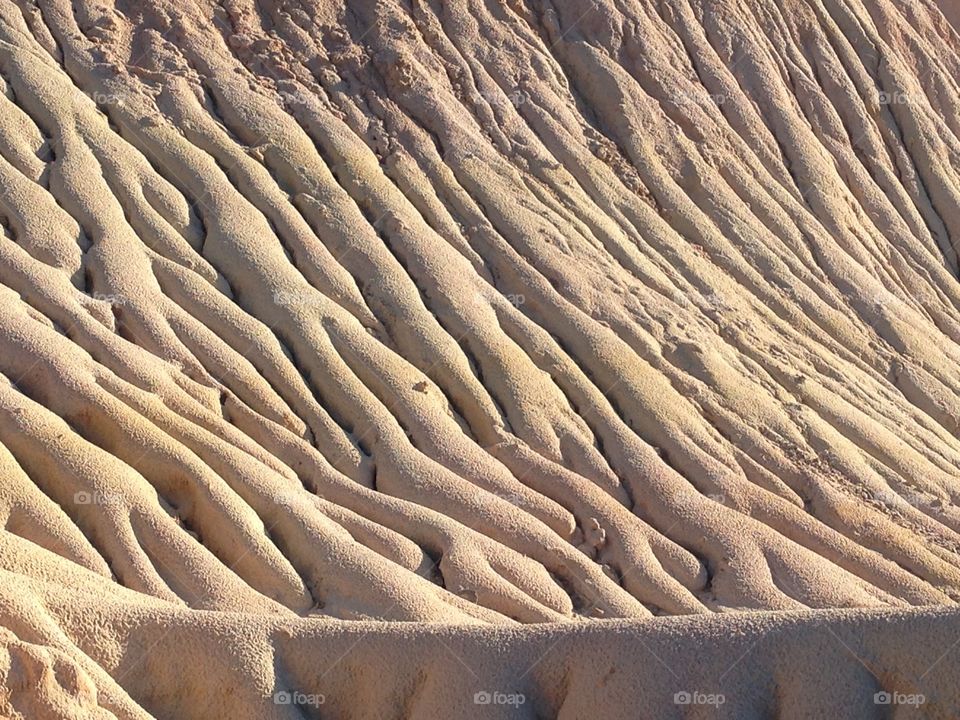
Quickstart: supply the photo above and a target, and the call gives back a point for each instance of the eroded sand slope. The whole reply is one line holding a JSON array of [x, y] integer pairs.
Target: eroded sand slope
[[473, 312]]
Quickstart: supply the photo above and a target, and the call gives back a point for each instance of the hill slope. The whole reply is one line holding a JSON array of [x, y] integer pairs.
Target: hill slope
[[476, 312]]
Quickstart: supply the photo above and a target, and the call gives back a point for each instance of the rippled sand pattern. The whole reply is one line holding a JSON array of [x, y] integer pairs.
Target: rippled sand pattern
[[476, 312]]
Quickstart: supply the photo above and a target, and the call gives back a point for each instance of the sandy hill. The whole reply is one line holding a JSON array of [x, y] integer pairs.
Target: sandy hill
[[345, 344]]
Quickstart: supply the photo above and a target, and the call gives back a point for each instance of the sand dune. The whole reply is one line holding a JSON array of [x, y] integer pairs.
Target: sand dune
[[398, 321]]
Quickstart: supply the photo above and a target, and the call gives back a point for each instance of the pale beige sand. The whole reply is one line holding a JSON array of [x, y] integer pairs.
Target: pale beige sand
[[478, 313], [808, 664]]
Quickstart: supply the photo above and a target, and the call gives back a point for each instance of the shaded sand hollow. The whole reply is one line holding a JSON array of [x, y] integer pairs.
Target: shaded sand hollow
[[479, 358]]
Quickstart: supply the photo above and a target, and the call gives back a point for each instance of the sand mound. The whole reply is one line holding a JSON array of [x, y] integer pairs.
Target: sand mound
[[476, 313]]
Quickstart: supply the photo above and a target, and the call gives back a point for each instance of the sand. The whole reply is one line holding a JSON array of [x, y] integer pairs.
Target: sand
[[379, 354]]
